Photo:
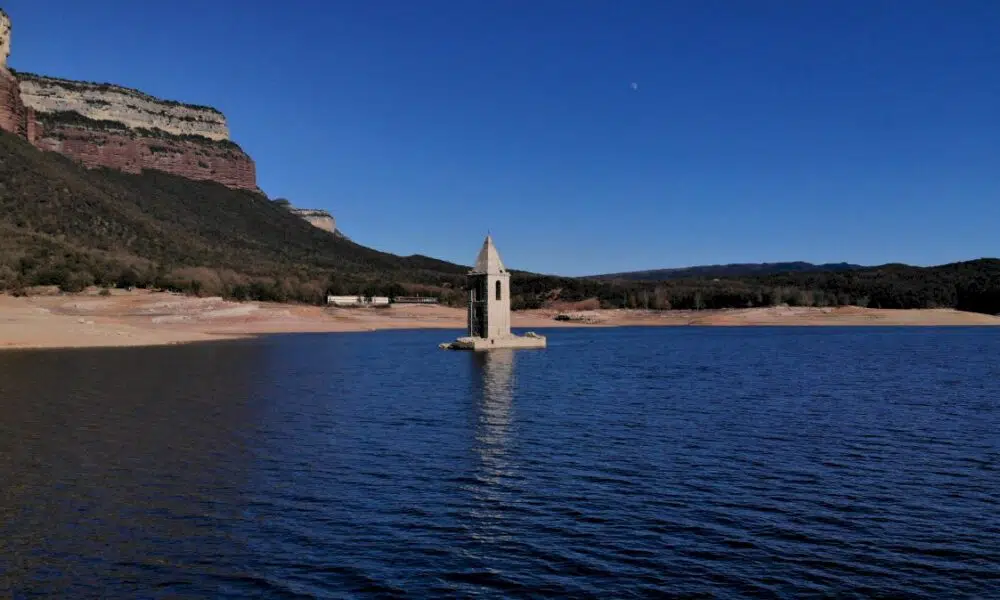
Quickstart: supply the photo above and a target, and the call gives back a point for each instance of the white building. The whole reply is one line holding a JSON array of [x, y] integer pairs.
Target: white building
[[342, 301]]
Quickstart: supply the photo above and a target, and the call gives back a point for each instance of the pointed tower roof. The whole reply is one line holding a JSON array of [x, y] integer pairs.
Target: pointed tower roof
[[488, 260]]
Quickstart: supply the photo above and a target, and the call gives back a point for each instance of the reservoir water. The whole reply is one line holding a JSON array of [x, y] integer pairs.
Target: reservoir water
[[617, 463]]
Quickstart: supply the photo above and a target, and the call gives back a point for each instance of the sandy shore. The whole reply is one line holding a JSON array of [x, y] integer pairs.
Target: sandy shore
[[156, 318]]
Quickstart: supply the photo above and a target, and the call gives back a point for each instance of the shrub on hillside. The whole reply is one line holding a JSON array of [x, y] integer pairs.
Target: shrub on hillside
[[9, 278], [77, 281], [200, 281]]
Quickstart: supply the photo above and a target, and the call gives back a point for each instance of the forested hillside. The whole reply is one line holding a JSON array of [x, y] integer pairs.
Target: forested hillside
[[63, 225], [972, 285], [728, 270]]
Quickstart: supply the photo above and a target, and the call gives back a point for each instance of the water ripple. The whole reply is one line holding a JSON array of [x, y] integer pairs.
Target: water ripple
[[615, 464]]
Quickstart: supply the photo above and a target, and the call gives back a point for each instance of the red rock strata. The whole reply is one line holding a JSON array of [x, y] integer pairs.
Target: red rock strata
[[12, 111], [78, 119], [133, 151]]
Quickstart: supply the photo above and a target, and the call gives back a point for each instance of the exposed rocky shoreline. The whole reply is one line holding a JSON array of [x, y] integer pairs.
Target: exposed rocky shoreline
[[143, 318]]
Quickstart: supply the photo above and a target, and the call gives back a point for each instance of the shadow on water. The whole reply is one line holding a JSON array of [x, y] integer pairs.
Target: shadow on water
[[121, 468]]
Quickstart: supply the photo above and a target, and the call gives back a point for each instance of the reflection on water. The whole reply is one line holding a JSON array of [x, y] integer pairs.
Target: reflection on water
[[496, 403], [494, 372]]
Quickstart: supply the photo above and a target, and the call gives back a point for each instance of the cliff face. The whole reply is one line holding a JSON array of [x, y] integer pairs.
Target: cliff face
[[4, 38], [110, 144], [105, 125], [12, 113], [317, 218], [106, 102]]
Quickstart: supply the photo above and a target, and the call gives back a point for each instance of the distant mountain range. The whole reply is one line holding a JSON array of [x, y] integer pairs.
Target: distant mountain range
[[730, 270]]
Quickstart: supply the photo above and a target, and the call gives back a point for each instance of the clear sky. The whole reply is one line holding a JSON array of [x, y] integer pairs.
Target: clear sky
[[823, 130]]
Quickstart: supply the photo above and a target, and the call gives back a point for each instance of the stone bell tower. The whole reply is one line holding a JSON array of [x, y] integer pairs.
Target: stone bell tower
[[489, 295], [489, 307]]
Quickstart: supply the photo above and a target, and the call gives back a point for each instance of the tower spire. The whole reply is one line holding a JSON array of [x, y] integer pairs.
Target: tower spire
[[488, 261]]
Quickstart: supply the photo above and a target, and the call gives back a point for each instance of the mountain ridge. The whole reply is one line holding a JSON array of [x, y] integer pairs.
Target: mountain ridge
[[729, 270]]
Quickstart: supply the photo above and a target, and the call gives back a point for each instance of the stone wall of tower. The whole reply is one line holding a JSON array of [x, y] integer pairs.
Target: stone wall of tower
[[498, 308], [496, 287]]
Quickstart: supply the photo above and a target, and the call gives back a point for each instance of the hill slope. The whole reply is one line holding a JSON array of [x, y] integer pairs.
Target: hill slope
[[64, 225], [729, 270]]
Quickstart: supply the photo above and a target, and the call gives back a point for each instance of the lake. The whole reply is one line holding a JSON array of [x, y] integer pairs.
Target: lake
[[690, 462]]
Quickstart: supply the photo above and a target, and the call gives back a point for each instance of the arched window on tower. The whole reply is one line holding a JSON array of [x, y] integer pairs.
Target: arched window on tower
[[498, 290]]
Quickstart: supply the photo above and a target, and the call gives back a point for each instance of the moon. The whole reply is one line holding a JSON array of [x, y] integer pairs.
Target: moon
[[635, 86]]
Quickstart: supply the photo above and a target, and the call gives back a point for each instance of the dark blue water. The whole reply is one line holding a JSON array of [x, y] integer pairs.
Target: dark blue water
[[617, 463]]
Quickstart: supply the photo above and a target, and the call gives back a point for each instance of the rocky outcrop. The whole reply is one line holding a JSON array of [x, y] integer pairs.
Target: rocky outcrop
[[105, 125], [318, 218], [107, 102], [4, 38], [114, 145], [12, 113]]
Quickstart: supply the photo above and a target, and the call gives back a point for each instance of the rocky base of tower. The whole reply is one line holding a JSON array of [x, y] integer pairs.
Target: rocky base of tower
[[515, 342]]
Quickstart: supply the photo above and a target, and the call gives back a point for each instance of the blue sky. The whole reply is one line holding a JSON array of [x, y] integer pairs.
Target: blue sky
[[862, 130]]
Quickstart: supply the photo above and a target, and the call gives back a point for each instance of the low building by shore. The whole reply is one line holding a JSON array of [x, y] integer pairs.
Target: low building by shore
[[344, 301]]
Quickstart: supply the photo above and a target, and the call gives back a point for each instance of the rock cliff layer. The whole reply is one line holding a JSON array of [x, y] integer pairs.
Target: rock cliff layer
[[317, 218], [12, 117], [106, 102], [12, 112], [4, 38], [104, 125], [110, 144]]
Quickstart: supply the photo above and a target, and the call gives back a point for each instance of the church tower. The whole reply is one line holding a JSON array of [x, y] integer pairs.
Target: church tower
[[489, 308], [489, 295]]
